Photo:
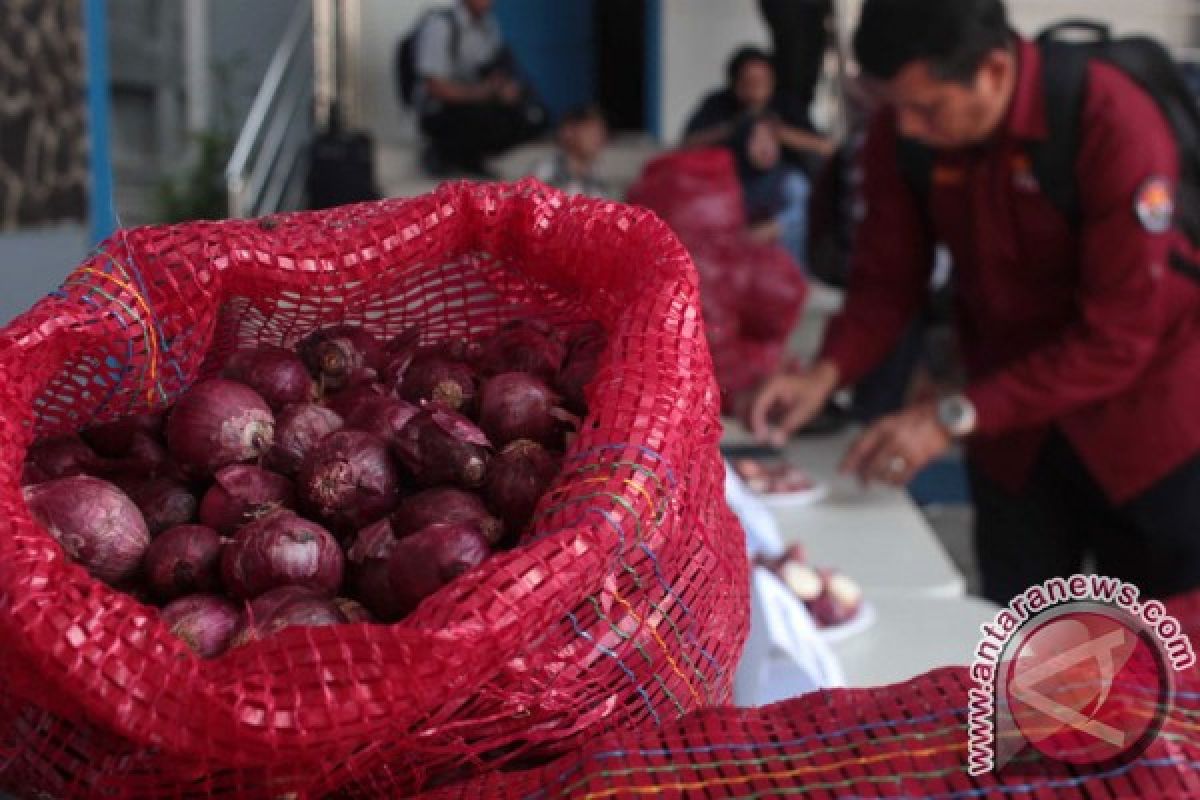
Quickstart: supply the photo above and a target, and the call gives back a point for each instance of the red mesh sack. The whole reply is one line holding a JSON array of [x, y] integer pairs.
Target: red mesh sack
[[693, 189], [626, 606]]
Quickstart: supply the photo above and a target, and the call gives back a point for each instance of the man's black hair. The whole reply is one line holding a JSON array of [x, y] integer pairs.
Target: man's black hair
[[744, 56], [578, 114], [954, 36]]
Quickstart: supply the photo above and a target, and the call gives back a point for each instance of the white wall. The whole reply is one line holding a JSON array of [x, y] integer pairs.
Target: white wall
[[34, 262], [384, 24]]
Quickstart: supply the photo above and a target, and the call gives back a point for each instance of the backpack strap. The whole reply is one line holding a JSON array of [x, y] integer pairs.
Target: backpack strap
[[1064, 87]]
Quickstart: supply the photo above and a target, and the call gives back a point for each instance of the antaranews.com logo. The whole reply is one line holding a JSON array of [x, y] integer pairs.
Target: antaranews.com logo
[[1076, 669]]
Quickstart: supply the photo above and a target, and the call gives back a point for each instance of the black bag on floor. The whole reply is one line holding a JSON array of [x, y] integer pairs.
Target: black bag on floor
[[341, 167]]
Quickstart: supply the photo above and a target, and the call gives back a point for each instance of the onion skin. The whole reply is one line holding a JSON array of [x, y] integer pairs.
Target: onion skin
[[96, 524], [282, 608], [278, 375], [583, 360], [113, 439], [352, 611], [61, 457], [349, 480], [205, 622], [219, 423], [164, 503], [184, 560], [439, 447], [334, 355], [347, 401], [382, 416], [445, 505], [423, 563], [281, 549], [241, 494], [518, 477], [299, 430], [437, 380], [523, 346], [516, 405], [367, 567]]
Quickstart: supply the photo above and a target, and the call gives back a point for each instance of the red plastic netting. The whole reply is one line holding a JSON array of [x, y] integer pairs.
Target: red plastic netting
[[627, 607]]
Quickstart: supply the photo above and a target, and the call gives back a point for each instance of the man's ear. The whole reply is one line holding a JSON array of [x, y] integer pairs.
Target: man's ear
[[995, 69]]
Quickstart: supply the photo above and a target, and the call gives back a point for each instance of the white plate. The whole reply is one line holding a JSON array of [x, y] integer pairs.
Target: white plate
[[806, 497], [862, 621]]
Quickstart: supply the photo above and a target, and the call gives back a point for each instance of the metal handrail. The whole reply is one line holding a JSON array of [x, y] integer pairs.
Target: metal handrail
[[284, 99]]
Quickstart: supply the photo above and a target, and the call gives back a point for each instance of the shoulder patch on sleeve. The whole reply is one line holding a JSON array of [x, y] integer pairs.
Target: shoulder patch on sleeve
[[1155, 204]]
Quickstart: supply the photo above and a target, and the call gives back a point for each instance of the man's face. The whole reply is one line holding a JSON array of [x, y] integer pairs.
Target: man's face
[[946, 114], [479, 7], [754, 85]]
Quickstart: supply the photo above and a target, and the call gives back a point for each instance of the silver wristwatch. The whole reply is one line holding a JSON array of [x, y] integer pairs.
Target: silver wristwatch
[[957, 415]]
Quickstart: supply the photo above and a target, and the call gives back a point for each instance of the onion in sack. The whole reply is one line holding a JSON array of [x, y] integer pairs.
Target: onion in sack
[[275, 373], [349, 480], [114, 439], [205, 622], [62, 457], [579, 369], [184, 560], [96, 524], [445, 505], [433, 378], [429, 559], [381, 416], [165, 503], [517, 478], [523, 346], [300, 428], [281, 549], [367, 568], [516, 405], [440, 447], [243, 493], [362, 389], [335, 355], [352, 610], [286, 607], [219, 423]]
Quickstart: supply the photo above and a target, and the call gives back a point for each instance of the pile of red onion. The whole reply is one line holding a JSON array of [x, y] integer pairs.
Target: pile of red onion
[[342, 481]]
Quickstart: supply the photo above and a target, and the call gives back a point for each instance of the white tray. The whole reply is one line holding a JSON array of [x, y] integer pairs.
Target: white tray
[[863, 621]]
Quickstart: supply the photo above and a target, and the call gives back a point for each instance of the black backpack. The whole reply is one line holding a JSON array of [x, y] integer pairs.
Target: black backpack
[[1066, 49], [406, 55]]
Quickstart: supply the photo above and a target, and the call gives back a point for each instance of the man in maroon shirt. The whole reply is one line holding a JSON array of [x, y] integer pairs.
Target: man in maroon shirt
[[1081, 417]]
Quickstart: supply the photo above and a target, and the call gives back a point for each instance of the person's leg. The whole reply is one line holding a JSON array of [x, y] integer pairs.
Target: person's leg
[[1154, 541], [799, 38], [454, 133], [1024, 538], [793, 219]]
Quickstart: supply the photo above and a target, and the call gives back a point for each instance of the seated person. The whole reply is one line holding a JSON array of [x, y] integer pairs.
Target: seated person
[[751, 94], [582, 135], [470, 101]]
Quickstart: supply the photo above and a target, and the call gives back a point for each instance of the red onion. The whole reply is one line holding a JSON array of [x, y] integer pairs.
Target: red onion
[[447, 506], [398, 354], [32, 474], [286, 607], [184, 560], [164, 503], [219, 423], [241, 494], [517, 478], [62, 457], [441, 447], [205, 622], [113, 439], [299, 429], [275, 373], [334, 355], [349, 480], [347, 402], [440, 381], [428, 560], [382, 416], [352, 610], [96, 524], [367, 564], [583, 359], [145, 456], [281, 549], [516, 405], [523, 346]]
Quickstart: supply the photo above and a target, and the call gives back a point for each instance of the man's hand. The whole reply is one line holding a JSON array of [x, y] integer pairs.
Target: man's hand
[[896, 448], [787, 403]]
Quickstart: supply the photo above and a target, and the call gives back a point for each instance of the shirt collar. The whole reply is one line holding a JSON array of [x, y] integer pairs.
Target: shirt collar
[[1027, 112], [467, 20]]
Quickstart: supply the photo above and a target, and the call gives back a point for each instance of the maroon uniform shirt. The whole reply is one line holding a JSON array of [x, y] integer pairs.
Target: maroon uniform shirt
[[1084, 327]]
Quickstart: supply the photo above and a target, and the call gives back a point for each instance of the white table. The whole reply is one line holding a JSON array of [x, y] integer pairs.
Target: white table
[[876, 536], [913, 635]]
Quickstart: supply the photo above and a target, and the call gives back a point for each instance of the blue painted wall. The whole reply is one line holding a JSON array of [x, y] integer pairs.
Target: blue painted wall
[[554, 41]]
